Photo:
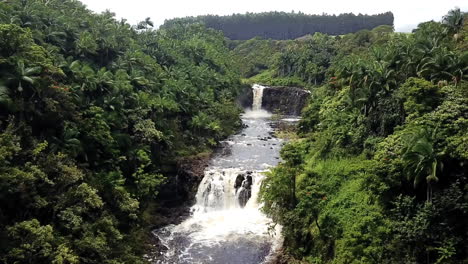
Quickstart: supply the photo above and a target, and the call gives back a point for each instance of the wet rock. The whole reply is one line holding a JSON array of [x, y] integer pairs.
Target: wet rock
[[285, 100], [239, 179], [246, 97], [224, 149], [243, 187], [183, 179], [249, 181], [245, 191]]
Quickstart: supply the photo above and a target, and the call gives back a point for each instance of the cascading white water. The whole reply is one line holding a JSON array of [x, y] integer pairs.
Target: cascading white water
[[228, 189], [257, 97], [257, 101], [226, 225]]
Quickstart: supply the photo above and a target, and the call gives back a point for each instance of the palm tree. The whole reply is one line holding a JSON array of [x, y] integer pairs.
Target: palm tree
[[145, 24], [420, 159], [353, 70], [24, 75], [443, 65], [454, 21]]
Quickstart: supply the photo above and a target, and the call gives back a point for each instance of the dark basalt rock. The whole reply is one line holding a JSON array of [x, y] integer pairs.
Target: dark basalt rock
[[279, 99], [249, 181], [246, 97], [223, 149], [239, 179], [175, 197], [285, 100], [243, 186], [183, 178], [244, 196]]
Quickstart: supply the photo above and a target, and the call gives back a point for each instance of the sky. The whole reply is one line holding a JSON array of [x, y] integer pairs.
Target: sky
[[408, 13]]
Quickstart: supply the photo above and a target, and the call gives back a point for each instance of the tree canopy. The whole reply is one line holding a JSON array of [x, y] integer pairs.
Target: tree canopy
[[282, 25], [92, 112], [377, 172]]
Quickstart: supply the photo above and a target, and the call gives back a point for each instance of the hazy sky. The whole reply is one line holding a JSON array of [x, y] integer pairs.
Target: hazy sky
[[408, 13]]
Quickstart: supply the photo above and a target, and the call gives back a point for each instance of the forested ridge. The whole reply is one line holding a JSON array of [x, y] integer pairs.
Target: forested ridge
[[282, 25], [377, 169], [92, 111]]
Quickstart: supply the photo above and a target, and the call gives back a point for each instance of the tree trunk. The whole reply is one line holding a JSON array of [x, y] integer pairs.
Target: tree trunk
[[429, 192], [293, 192]]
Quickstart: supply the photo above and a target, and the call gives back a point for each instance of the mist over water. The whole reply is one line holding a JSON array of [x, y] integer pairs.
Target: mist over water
[[226, 225], [254, 114]]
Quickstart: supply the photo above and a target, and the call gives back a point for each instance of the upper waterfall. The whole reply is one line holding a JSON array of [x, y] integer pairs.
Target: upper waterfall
[[257, 102], [257, 97], [282, 100]]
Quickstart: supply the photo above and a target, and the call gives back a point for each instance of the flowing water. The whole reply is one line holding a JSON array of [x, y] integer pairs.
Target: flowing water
[[226, 225], [257, 97]]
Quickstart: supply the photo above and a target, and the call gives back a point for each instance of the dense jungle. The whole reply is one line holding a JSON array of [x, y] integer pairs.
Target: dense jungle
[[97, 116]]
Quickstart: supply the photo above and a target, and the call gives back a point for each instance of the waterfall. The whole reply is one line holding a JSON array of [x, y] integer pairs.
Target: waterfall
[[257, 97], [226, 224], [257, 111], [225, 189]]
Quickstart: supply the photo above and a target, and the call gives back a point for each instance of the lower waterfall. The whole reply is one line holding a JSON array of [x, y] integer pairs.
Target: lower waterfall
[[226, 225]]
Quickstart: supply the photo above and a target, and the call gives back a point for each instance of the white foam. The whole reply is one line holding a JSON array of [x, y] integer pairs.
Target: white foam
[[256, 114], [257, 96], [291, 119]]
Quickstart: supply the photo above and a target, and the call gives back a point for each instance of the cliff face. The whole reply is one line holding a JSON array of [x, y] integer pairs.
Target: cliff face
[[178, 194], [285, 100], [245, 99], [183, 178]]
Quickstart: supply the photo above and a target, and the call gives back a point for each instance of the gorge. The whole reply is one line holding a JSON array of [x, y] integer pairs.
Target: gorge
[[226, 225], [127, 143]]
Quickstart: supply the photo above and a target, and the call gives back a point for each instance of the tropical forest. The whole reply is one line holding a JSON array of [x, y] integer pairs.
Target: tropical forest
[[267, 137]]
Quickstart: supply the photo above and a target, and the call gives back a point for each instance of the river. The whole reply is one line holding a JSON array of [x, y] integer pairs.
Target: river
[[226, 225]]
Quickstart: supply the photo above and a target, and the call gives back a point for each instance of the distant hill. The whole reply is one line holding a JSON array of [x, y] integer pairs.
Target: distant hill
[[281, 25]]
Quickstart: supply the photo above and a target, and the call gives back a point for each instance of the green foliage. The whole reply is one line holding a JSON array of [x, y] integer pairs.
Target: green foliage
[[36, 242], [420, 158], [92, 113], [378, 174], [281, 25], [255, 55], [13, 39], [419, 96], [307, 58], [454, 20], [268, 77]]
